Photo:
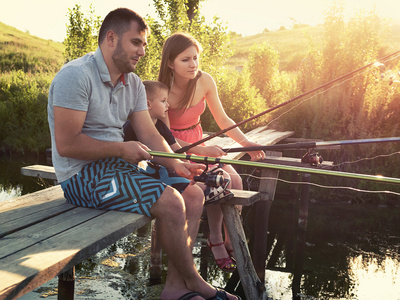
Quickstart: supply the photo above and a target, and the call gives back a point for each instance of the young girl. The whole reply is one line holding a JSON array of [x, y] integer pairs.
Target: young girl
[[190, 91]]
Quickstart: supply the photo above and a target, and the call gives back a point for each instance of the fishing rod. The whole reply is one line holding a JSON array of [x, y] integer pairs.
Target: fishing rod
[[213, 160], [310, 145], [186, 148]]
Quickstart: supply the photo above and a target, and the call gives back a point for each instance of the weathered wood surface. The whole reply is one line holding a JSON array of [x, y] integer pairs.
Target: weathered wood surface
[[267, 189], [43, 236], [43, 240], [260, 135], [39, 171], [253, 287]]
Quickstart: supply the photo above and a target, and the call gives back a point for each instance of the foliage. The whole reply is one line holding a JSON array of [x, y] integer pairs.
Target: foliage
[[239, 98], [82, 33], [363, 106], [23, 112], [172, 17], [263, 66], [21, 51]]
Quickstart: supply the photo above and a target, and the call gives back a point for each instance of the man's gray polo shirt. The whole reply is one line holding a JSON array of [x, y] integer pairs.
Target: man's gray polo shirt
[[84, 84]]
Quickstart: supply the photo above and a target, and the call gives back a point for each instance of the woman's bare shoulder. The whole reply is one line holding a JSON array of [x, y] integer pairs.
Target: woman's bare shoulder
[[206, 80]]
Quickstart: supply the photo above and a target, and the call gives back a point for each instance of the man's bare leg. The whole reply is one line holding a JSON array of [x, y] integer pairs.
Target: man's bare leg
[[177, 229]]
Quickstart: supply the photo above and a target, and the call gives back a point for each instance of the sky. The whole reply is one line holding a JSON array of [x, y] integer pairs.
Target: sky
[[48, 18]]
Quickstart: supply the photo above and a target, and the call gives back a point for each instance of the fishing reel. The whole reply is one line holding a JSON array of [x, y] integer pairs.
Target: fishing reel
[[312, 157], [212, 178]]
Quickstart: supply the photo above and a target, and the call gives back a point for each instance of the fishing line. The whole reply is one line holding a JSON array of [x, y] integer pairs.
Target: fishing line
[[186, 148], [328, 89], [322, 92], [366, 159], [322, 186]]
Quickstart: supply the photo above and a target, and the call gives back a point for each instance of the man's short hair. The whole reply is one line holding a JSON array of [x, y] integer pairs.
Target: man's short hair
[[119, 20], [152, 87]]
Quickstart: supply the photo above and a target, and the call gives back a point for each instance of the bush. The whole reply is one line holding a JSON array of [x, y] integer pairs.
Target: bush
[[23, 111], [239, 99]]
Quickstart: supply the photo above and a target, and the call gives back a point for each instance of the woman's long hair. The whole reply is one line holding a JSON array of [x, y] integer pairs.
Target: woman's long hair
[[173, 46]]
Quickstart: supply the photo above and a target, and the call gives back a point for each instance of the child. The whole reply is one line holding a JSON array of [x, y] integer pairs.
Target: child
[[157, 103]]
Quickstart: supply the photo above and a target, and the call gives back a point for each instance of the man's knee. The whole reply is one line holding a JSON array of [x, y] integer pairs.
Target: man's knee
[[193, 195], [170, 202]]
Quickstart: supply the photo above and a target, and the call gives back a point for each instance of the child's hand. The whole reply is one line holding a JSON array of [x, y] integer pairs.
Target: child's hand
[[189, 170]]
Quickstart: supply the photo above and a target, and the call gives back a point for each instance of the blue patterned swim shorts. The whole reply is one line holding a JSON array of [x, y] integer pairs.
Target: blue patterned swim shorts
[[114, 184]]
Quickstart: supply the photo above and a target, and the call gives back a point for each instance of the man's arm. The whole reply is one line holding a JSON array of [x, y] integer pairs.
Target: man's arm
[[149, 135], [71, 142]]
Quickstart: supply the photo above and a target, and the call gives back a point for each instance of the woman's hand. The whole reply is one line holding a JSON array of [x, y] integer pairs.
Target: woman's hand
[[255, 155], [210, 151]]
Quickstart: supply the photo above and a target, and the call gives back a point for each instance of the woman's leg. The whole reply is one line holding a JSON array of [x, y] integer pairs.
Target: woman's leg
[[215, 239]]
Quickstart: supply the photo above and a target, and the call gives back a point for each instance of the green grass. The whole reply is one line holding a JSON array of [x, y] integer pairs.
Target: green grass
[[293, 44], [31, 54]]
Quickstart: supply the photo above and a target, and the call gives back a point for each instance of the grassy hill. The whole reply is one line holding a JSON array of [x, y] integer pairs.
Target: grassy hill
[[293, 44], [22, 51]]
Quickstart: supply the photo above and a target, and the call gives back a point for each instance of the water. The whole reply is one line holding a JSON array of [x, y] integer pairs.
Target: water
[[351, 251]]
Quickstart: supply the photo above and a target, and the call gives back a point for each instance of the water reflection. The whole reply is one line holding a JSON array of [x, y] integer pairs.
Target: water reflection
[[368, 272], [10, 192], [351, 251]]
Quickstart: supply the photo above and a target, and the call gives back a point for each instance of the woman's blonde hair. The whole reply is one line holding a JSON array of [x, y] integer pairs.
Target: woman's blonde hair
[[173, 46]]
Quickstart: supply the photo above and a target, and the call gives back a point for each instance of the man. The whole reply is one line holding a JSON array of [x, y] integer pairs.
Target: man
[[89, 101]]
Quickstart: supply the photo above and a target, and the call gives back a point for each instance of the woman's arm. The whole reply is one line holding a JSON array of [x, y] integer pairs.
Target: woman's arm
[[222, 119]]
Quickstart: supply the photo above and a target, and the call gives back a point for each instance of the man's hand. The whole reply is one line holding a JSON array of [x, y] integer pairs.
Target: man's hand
[[133, 152], [189, 170]]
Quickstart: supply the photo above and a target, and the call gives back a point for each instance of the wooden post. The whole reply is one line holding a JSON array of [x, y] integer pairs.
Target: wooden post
[[267, 187], [301, 236], [253, 287], [66, 285], [155, 255]]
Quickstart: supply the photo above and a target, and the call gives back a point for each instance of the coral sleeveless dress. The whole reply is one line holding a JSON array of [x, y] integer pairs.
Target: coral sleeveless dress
[[187, 126]]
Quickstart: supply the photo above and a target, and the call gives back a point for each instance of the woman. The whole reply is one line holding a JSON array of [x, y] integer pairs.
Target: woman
[[189, 92]]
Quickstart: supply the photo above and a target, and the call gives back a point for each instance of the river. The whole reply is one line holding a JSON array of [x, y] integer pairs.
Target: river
[[351, 251]]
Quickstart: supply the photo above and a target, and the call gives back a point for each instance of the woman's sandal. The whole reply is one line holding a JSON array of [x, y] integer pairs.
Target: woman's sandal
[[225, 264], [216, 195], [230, 253], [221, 295]]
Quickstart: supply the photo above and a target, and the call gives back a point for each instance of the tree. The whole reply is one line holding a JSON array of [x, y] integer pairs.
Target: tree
[[184, 15], [82, 33]]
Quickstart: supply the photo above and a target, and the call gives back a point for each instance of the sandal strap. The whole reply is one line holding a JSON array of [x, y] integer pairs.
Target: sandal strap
[[211, 245], [225, 263]]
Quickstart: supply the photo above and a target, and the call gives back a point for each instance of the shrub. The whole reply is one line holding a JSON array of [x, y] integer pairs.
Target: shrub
[[23, 111]]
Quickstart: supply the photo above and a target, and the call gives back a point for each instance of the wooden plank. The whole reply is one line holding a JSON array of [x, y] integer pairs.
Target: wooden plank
[[20, 212], [29, 268], [243, 197], [260, 135], [39, 171], [38, 197], [14, 220], [41, 231], [290, 161]]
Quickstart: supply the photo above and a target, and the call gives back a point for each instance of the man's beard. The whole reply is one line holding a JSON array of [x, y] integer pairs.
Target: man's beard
[[121, 60]]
